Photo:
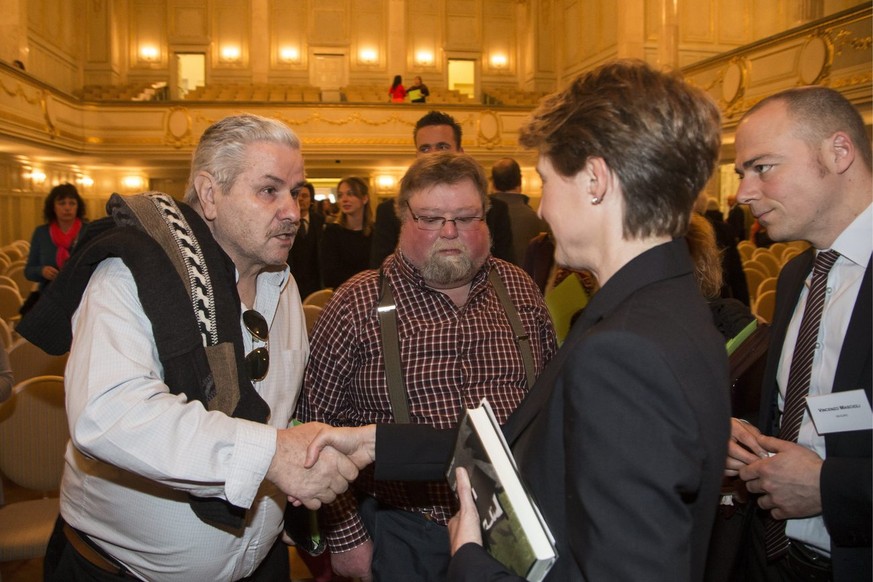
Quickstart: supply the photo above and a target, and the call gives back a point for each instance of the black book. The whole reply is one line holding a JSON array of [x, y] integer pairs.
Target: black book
[[513, 530]]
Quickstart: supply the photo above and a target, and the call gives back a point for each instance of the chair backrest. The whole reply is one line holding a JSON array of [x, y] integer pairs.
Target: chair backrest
[[769, 262], [768, 284], [25, 285], [745, 248], [777, 248], [13, 252], [28, 361], [319, 298], [34, 434], [5, 334], [10, 302], [311, 313], [765, 304], [9, 282], [753, 279], [789, 253]]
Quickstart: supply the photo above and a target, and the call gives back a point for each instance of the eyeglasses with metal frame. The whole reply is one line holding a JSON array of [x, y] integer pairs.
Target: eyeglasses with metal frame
[[438, 222]]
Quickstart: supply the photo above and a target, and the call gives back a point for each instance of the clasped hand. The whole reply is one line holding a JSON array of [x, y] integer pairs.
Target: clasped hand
[[784, 474], [310, 483]]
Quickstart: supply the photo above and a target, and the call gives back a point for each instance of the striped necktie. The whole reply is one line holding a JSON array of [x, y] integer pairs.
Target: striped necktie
[[775, 540]]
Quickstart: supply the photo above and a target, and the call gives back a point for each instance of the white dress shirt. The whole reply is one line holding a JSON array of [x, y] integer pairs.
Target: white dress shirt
[[136, 450], [855, 245]]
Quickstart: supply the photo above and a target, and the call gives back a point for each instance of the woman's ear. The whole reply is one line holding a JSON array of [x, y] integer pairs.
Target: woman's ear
[[599, 177]]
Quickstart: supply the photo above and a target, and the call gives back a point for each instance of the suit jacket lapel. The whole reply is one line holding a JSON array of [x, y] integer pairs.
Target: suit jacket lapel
[[857, 343], [788, 289]]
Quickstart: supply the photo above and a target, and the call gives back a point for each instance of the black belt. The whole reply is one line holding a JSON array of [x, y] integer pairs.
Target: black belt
[[808, 564], [95, 557]]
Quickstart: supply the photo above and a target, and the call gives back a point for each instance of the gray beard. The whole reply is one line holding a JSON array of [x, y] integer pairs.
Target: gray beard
[[441, 270]]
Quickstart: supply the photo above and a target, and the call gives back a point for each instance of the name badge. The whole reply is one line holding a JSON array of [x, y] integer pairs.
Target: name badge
[[840, 412]]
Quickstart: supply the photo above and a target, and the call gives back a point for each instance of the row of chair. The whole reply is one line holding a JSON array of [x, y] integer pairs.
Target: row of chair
[[33, 437], [761, 266]]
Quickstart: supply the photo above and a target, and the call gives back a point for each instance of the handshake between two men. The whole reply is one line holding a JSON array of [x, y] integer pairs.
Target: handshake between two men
[[315, 462]]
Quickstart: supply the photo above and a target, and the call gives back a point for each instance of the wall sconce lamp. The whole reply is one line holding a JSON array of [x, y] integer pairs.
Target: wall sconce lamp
[[133, 183], [37, 177], [230, 53], [85, 181], [149, 53], [499, 61], [385, 183], [289, 55], [368, 56], [424, 58]]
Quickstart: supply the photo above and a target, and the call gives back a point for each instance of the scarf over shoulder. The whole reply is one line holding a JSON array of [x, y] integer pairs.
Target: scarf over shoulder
[[187, 286]]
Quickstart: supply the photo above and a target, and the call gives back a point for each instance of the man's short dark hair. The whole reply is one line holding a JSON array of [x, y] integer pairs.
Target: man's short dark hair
[[439, 118], [506, 175], [818, 113], [310, 187]]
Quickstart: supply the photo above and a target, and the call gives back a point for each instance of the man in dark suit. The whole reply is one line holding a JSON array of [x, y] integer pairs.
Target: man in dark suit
[[805, 163], [303, 256], [434, 133]]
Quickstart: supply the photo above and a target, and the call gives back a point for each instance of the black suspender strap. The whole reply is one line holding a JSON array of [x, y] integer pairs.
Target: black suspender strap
[[387, 310], [521, 336]]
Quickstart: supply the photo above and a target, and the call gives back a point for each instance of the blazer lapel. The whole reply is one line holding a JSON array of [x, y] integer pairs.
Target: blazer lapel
[[857, 343]]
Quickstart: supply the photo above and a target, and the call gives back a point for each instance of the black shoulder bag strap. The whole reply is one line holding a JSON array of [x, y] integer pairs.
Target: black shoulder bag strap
[[387, 310]]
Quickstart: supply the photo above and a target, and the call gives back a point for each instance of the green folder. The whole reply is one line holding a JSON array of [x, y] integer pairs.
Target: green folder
[[414, 94], [734, 342], [563, 302]]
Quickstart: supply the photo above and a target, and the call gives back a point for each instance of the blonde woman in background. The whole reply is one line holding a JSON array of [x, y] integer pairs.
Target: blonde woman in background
[[345, 245]]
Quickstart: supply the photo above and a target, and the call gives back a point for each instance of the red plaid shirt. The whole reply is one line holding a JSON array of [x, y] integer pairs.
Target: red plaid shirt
[[451, 356]]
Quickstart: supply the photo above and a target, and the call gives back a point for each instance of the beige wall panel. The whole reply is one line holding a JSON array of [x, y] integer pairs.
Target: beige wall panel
[[232, 28], [463, 7], [653, 20], [544, 38], [288, 23], [768, 18], [59, 23], [608, 11], [147, 26], [594, 22], [56, 45], [370, 29], [189, 22], [499, 35], [697, 21], [329, 23], [578, 33], [424, 33], [733, 22], [98, 40], [463, 33]]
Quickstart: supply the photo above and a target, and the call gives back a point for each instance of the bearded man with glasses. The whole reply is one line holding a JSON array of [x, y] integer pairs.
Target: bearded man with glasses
[[432, 322], [187, 347]]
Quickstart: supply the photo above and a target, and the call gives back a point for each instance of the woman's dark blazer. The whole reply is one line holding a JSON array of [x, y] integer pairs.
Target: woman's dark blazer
[[623, 439]]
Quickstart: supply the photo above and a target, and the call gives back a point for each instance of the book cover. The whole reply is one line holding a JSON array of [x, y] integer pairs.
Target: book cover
[[513, 530]]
